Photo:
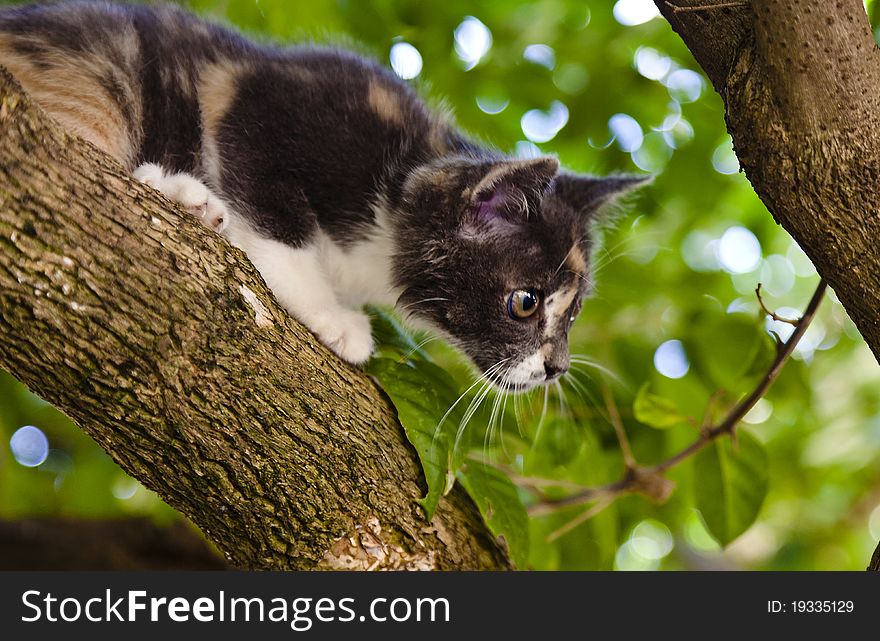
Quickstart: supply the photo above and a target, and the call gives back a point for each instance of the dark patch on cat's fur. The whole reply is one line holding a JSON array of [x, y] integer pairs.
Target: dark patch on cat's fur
[[313, 139], [285, 110]]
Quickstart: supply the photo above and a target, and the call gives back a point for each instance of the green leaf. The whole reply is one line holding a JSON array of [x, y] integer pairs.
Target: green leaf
[[654, 410], [422, 394], [392, 339], [556, 444], [730, 484], [499, 503], [726, 346]]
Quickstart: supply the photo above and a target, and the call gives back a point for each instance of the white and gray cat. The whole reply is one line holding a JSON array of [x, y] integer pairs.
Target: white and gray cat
[[331, 174]]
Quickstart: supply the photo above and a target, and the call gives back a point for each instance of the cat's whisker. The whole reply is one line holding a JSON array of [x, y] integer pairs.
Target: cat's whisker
[[472, 409], [583, 361], [493, 416], [589, 282], [429, 339], [482, 378], [506, 394], [466, 416], [478, 399], [598, 267], [543, 417], [585, 394], [487, 434], [573, 247], [608, 252], [563, 405], [419, 302], [517, 413]]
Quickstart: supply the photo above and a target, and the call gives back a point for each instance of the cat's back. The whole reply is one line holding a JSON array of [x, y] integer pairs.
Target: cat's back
[[113, 73], [326, 124], [150, 83]]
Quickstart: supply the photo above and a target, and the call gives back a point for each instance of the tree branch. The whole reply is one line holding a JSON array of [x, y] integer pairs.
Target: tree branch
[[162, 342], [801, 87], [649, 480]]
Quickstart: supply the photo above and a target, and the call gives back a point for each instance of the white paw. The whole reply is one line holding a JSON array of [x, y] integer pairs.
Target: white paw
[[149, 174], [347, 333], [189, 192]]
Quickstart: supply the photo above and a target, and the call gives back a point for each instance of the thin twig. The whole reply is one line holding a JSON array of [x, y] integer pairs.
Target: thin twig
[[705, 7], [706, 423], [614, 415], [580, 518], [532, 483], [643, 479], [773, 315]]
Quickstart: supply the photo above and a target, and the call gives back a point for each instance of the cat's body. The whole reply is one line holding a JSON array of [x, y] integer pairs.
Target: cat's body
[[330, 173]]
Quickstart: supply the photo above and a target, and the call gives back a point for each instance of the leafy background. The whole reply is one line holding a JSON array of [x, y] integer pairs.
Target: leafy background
[[674, 321]]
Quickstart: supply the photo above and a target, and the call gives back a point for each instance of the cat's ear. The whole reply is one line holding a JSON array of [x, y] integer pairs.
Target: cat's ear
[[512, 188], [590, 193]]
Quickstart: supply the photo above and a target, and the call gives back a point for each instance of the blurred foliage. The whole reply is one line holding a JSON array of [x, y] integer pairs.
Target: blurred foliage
[[800, 490]]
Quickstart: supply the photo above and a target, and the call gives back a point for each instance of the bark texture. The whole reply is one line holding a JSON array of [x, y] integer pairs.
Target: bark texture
[[162, 342], [800, 80]]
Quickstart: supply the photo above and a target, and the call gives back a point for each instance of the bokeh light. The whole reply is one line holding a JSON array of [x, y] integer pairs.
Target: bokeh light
[[627, 131], [652, 64], [739, 250], [631, 557], [657, 534], [542, 126], [761, 411], [684, 85], [526, 149], [671, 360], [405, 60], [724, 159], [630, 13], [29, 446], [653, 154], [492, 105], [540, 55], [472, 41], [777, 275]]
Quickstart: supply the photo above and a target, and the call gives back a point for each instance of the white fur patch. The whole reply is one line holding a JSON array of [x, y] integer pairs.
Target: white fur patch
[[361, 273], [529, 372], [299, 279], [556, 309], [192, 194]]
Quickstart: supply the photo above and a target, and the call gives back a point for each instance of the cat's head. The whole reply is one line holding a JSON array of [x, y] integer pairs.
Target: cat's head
[[495, 254]]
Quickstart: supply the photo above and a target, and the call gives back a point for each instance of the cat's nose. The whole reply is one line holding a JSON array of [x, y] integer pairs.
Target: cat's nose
[[554, 370]]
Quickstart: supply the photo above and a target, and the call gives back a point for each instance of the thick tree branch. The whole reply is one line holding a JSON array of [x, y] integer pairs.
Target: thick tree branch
[[801, 86], [162, 342]]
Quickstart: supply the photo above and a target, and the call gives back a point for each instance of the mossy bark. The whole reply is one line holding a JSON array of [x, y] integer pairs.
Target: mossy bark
[[162, 342]]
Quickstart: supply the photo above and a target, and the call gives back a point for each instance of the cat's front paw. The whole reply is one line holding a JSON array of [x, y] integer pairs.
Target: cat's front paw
[[192, 194], [347, 333]]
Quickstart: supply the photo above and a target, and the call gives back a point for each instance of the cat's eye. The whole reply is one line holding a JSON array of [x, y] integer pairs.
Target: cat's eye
[[523, 303]]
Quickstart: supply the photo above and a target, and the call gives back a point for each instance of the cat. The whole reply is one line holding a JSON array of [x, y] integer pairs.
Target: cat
[[332, 175]]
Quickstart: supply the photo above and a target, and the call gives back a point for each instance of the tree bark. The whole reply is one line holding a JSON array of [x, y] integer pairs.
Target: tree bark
[[874, 565], [801, 87], [161, 341]]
